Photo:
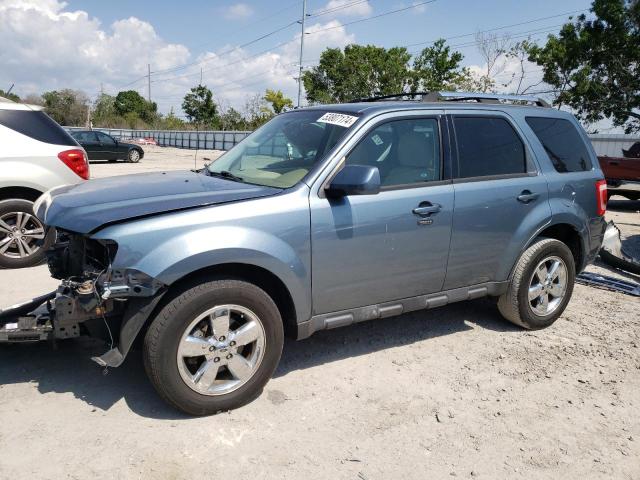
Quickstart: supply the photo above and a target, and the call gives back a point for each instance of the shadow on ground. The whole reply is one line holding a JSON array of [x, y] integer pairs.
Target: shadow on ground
[[69, 369]]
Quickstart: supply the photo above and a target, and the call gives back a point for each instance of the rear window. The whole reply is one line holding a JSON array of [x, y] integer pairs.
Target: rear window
[[37, 125], [84, 136], [488, 146], [562, 142]]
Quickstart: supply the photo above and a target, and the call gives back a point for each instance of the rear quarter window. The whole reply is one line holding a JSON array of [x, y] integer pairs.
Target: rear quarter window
[[562, 142], [37, 125]]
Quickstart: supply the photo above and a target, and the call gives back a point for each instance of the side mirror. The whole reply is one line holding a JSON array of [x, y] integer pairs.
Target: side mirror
[[355, 180]]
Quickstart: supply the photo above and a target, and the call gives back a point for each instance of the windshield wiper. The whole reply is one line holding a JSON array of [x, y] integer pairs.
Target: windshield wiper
[[225, 174]]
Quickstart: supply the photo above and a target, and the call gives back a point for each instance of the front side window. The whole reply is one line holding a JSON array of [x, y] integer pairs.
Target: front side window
[[281, 152], [104, 138], [562, 142], [405, 151], [488, 146]]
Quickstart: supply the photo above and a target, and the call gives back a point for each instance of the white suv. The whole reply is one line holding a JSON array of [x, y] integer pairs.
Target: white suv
[[36, 154]]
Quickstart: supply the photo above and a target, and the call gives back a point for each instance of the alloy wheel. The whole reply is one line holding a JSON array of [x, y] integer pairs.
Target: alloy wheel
[[221, 350], [19, 233], [548, 286]]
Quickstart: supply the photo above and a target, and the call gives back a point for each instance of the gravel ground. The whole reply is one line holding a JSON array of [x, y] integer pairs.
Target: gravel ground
[[451, 392]]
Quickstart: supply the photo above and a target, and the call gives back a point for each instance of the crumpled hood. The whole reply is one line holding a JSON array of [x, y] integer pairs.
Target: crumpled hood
[[86, 207]]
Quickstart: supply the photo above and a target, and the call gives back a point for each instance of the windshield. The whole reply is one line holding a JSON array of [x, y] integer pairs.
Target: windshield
[[281, 152]]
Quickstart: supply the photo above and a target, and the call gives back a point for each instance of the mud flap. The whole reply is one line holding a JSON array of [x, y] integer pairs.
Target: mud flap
[[137, 313]]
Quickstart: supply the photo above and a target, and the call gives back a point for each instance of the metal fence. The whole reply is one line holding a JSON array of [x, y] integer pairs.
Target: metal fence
[[604, 144], [611, 144], [201, 140]]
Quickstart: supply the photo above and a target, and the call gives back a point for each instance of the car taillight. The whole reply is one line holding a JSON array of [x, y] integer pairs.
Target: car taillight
[[77, 161], [601, 196]]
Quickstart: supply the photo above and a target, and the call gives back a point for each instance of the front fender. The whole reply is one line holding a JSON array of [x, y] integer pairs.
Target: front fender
[[178, 256]]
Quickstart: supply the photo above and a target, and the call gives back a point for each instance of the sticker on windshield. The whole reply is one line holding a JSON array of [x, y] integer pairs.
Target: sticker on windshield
[[340, 119], [377, 140]]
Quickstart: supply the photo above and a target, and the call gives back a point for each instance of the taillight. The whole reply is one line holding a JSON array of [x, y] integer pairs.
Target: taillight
[[601, 196], [77, 161]]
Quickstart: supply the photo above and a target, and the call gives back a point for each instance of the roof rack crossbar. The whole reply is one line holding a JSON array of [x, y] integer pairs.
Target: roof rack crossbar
[[480, 97]]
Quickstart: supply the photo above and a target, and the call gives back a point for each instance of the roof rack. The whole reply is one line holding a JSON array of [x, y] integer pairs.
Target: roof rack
[[461, 97]]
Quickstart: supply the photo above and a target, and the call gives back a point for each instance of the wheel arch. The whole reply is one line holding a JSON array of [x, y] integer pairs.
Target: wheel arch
[[568, 234], [19, 193], [256, 275]]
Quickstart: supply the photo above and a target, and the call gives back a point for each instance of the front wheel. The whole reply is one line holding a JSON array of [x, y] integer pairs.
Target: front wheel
[[214, 347], [541, 285], [133, 156]]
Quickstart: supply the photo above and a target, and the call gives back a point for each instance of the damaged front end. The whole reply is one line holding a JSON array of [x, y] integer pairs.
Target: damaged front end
[[92, 299]]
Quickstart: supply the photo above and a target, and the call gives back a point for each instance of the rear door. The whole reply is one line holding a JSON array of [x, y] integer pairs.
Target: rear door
[[89, 142], [500, 197]]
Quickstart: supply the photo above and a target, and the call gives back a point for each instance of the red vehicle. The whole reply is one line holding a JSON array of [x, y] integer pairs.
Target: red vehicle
[[623, 173]]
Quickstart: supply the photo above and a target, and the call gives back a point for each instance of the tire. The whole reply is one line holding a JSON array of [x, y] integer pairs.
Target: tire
[[176, 328], [22, 251], [133, 156], [517, 307]]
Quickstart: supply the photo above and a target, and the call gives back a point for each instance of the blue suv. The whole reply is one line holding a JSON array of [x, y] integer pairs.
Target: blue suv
[[324, 217]]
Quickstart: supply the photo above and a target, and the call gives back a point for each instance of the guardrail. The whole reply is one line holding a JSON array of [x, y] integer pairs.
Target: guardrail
[[603, 144]]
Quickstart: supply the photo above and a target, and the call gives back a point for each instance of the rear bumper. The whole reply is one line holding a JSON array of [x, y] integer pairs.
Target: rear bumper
[[597, 227]]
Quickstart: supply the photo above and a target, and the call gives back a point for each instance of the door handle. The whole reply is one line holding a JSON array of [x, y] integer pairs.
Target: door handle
[[426, 208], [526, 196]]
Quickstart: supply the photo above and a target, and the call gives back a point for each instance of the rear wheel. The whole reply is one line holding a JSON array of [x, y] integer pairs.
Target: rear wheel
[[23, 238], [214, 347], [541, 286]]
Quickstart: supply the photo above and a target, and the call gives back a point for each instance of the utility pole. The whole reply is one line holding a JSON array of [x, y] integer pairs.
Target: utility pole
[[304, 16], [200, 75], [149, 81]]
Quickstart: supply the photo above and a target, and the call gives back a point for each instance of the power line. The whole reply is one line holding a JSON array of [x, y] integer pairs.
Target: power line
[[391, 12], [251, 42], [235, 62], [336, 9], [498, 28], [246, 27]]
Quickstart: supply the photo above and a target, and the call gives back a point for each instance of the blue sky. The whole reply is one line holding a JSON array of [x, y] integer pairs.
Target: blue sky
[[92, 45], [201, 24]]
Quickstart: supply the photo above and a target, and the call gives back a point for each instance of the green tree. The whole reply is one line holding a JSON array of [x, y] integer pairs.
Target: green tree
[[104, 112], [278, 101], [358, 72], [171, 122], [594, 64], [437, 68], [199, 107], [232, 119], [130, 101], [67, 107], [257, 112], [10, 96]]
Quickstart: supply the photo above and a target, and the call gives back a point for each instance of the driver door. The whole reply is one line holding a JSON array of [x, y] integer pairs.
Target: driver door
[[107, 147], [369, 249]]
